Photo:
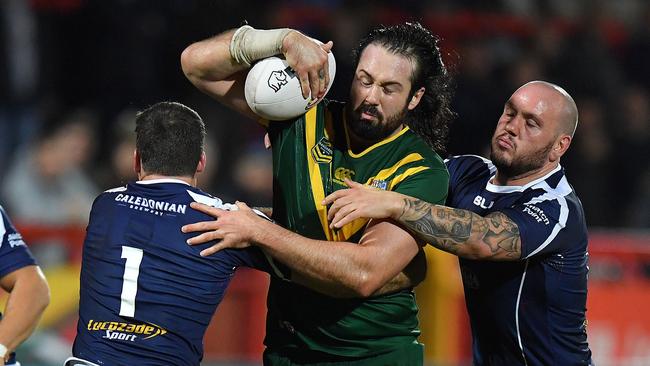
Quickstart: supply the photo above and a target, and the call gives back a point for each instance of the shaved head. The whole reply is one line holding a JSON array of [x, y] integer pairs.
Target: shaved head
[[534, 131], [567, 112]]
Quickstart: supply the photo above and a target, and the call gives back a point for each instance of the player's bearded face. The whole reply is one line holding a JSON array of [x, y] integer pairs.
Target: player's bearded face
[[518, 161], [368, 123]]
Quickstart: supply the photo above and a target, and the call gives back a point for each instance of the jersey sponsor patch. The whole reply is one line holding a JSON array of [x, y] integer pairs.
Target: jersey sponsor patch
[[121, 331], [322, 151], [379, 183]]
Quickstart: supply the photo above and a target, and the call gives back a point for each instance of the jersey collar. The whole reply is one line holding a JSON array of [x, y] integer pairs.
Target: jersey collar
[[162, 180], [373, 146], [510, 189]]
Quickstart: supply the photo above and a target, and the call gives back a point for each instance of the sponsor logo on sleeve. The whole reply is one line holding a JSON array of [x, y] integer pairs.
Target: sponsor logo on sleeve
[[15, 239], [537, 213]]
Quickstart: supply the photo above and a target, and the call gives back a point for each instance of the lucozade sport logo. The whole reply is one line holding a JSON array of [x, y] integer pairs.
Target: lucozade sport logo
[[125, 331]]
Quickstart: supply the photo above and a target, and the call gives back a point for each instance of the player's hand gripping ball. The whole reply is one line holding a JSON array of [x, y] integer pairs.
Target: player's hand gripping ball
[[273, 90]]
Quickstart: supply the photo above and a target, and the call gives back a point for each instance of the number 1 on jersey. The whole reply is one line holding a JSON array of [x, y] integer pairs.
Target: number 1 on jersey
[[130, 285]]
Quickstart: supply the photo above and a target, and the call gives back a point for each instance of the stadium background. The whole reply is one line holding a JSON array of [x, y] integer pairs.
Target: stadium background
[[73, 73]]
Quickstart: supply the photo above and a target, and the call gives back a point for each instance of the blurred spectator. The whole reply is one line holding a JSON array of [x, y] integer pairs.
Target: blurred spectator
[[119, 170], [254, 176], [477, 101], [47, 184], [632, 141], [18, 77], [588, 66], [589, 165], [636, 59]]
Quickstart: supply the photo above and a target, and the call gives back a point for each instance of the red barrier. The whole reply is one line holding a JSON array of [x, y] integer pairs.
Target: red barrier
[[70, 236], [236, 332], [619, 298]]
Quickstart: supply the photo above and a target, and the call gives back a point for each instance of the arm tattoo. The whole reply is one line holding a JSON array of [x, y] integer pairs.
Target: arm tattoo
[[462, 232]]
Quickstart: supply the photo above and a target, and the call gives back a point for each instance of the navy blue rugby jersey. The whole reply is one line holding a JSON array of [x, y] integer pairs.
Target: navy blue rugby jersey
[[14, 254], [147, 296], [532, 311]]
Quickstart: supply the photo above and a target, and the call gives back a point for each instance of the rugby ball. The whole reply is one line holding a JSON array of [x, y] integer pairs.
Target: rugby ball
[[273, 91]]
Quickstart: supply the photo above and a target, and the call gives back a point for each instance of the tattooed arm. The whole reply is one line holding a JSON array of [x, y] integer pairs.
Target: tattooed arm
[[460, 232]]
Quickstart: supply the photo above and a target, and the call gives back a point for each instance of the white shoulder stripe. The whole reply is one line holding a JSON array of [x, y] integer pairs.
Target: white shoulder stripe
[[487, 162], [559, 194], [118, 189], [211, 201], [3, 229], [218, 203], [521, 286]]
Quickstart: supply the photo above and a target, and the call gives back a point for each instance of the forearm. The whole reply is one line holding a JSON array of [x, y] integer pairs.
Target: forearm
[[210, 60], [338, 269], [410, 277], [27, 300], [461, 232]]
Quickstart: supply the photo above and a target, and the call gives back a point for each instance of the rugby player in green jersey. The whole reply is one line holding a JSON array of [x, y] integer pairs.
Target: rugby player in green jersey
[[349, 298]]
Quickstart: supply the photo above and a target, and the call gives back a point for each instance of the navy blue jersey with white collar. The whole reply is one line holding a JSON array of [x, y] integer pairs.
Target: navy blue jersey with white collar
[[14, 253], [531, 311], [147, 296]]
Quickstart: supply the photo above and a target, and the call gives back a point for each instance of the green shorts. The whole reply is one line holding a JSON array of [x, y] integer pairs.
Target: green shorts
[[409, 355]]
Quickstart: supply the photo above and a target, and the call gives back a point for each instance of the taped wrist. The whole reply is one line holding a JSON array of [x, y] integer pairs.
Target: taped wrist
[[249, 44]]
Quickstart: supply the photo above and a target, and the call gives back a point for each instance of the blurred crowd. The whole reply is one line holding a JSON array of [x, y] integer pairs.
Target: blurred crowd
[[73, 73]]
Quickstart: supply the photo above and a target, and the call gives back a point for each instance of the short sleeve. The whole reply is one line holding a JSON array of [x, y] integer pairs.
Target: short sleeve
[[539, 222], [429, 185], [14, 253], [463, 169]]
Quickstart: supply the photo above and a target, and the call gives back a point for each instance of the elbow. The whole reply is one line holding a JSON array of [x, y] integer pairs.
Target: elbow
[[42, 295], [477, 252], [187, 63], [365, 284]]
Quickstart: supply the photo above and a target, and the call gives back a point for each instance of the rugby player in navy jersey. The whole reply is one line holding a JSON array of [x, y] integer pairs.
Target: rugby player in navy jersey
[[29, 294], [518, 229], [147, 297]]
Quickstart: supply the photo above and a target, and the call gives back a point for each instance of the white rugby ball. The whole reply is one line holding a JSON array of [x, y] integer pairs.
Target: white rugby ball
[[273, 91]]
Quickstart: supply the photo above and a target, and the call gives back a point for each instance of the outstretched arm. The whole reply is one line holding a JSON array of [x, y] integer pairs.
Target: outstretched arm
[[29, 295], [460, 232], [331, 267], [218, 65]]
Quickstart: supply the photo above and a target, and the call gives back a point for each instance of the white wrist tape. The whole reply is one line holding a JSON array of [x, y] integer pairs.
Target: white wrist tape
[[249, 44], [3, 351]]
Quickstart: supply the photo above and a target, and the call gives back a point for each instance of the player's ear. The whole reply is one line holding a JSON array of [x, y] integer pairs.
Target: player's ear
[[201, 164], [415, 99], [560, 147], [137, 164]]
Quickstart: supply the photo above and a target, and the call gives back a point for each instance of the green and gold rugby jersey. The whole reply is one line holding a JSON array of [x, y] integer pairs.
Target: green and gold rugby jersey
[[310, 160]]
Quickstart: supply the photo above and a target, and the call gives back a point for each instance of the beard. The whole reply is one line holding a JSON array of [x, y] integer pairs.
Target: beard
[[374, 130], [519, 165]]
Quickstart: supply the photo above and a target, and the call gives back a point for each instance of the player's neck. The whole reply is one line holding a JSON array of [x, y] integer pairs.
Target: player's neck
[[189, 180], [524, 178]]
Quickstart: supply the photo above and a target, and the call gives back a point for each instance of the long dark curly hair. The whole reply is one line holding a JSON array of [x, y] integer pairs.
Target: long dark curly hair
[[431, 118]]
